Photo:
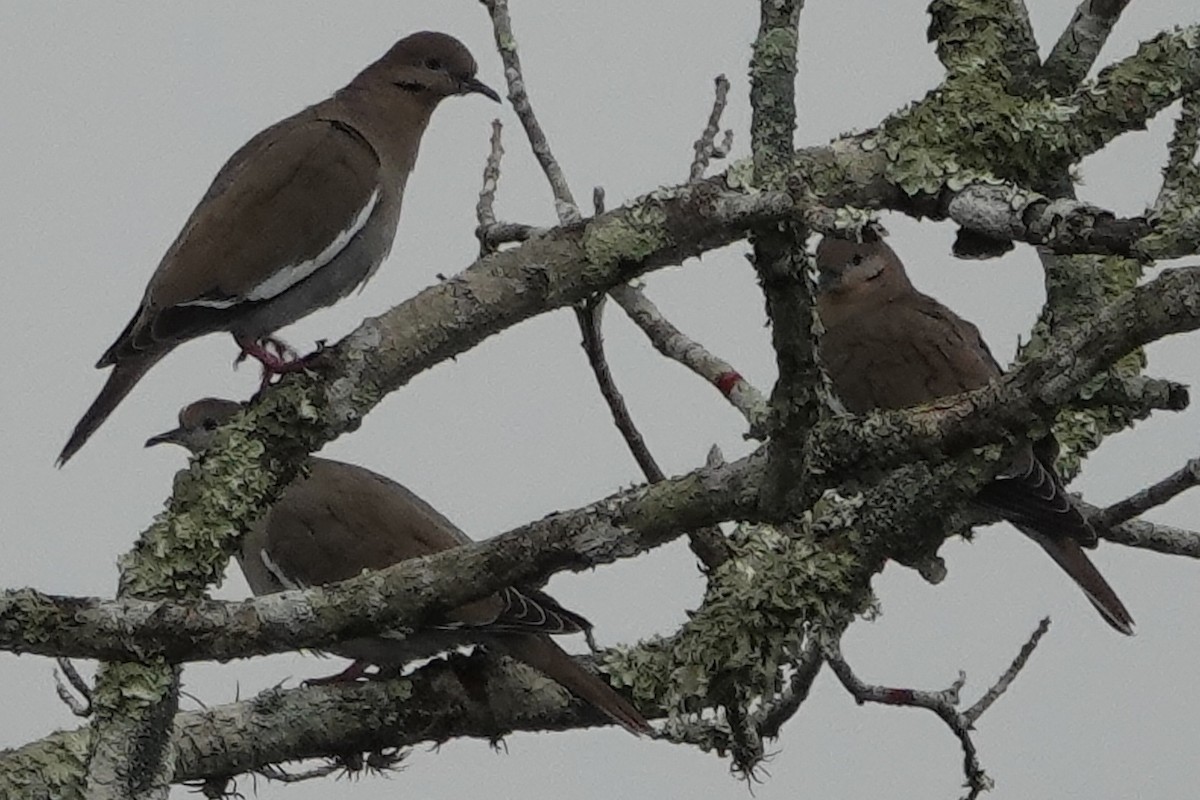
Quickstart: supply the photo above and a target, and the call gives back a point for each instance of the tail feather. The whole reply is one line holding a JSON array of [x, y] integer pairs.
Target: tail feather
[[1069, 555], [125, 375], [1032, 494], [542, 654]]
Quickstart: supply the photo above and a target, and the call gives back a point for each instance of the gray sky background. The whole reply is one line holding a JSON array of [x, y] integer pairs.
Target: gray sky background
[[116, 116]]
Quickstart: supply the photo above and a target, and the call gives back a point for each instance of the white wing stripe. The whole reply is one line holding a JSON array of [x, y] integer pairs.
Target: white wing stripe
[[285, 278], [273, 568], [288, 276]]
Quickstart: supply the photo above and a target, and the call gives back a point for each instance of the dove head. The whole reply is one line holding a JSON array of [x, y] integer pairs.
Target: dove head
[[197, 423], [428, 66], [845, 266]]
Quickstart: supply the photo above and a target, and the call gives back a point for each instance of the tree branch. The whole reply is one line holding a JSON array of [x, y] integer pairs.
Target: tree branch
[[1152, 496], [506, 42], [705, 147], [1080, 43], [476, 696], [401, 596], [677, 346]]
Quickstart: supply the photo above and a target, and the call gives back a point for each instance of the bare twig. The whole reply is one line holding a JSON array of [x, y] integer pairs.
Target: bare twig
[[491, 233], [943, 703], [503, 233], [80, 706], [1150, 497], [485, 209], [589, 314], [1001, 685], [705, 146], [708, 544], [506, 42], [676, 345]]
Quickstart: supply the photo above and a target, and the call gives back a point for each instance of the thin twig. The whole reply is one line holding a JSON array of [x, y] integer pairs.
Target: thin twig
[[589, 315], [943, 703], [1151, 497], [506, 42], [704, 147], [676, 345], [502, 233], [491, 233], [1008, 676], [709, 544], [80, 706], [485, 209]]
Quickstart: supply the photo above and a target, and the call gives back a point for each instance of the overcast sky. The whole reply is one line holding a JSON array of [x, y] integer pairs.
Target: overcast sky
[[116, 117]]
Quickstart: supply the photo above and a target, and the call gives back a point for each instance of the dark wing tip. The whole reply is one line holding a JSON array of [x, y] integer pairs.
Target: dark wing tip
[[533, 611], [1037, 498]]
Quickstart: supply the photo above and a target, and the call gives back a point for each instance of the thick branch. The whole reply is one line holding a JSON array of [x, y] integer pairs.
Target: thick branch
[[779, 256], [477, 696], [1126, 95], [401, 596], [991, 36], [628, 523], [1080, 44]]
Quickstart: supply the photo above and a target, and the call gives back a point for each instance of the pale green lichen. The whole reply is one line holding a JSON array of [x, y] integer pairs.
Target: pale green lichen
[[52, 768], [1127, 94], [740, 176], [970, 129], [973, 128], [983, 35], [776, 585], [626, 238], [1076, 287]]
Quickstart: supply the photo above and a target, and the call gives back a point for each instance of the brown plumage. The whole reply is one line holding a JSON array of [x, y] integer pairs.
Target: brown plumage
[[887, 346], [342, 519], [296, 219]]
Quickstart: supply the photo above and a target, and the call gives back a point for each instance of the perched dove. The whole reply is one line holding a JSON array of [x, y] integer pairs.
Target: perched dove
[[887, 346]]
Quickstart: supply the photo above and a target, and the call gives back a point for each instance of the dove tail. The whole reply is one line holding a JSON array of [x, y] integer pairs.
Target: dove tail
[[546, 656], [1070, 556], [121, 380]]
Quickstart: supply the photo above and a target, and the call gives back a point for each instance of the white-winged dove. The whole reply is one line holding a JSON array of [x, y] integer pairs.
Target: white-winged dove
[[296, 219], [887, 346], [342, 519]]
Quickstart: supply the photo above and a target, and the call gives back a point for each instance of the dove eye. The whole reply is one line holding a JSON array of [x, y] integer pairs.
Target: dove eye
[[433, 63], [210, 425], [856, 260]]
